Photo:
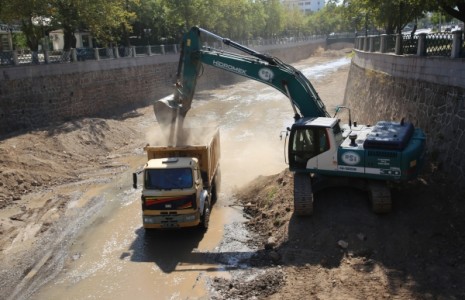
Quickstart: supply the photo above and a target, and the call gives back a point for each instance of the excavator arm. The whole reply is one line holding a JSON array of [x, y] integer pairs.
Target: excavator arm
[[254, 65]]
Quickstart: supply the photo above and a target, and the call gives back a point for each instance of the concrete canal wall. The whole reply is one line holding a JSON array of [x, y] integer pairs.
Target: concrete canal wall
[[34, 96], [428, 91]]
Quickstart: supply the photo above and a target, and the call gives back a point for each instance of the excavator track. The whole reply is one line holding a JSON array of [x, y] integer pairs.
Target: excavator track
[[303, 195], [380, 197]]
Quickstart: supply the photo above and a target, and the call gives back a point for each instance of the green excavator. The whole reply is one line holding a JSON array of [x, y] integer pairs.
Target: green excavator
[[321, 152]]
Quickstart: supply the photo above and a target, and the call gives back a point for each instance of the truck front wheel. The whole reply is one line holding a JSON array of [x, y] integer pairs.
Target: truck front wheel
[[205, 219]]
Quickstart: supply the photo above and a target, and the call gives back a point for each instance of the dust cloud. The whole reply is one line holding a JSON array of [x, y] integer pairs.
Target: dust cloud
[[249, 134], [186, 136], [251, 117], [243, 162]]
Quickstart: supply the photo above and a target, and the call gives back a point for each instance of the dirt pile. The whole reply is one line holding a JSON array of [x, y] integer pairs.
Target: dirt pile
[[43, 173], [57, 155], [267, 201], [261, 286], [344, 250]]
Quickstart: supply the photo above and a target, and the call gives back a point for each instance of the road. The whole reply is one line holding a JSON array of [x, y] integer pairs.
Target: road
[[111, 257]]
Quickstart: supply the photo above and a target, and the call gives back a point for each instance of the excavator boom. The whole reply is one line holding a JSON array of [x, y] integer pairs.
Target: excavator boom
[[254, 65]]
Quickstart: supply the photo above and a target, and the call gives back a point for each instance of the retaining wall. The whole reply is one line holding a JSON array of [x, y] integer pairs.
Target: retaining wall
[[37, 96], [430, 92]]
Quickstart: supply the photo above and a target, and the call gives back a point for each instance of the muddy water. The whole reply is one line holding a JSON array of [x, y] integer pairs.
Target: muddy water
[[115, 259]]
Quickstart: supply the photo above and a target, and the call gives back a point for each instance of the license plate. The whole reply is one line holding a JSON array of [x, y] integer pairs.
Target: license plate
[[169, 225]]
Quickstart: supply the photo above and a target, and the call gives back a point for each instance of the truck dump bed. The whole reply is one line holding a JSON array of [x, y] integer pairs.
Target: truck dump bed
[[205, 147]]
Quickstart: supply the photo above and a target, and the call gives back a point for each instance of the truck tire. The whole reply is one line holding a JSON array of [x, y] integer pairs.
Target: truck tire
[[303, 195], [205, 218]]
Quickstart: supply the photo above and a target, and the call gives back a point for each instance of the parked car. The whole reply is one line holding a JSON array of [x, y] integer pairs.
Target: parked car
[[84, 53]]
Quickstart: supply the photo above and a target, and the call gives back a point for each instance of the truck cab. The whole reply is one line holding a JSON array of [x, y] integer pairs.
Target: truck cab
[[173, 194], [181, 182]]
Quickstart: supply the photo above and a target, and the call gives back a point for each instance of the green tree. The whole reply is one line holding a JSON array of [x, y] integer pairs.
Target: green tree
[[455, 8], [321, 22], [391, 15], [185, 14], [236, 18], [106, 19], [274, 18], [153, 15], [32, 16], [257, 19], [294, 22], [439, 17]]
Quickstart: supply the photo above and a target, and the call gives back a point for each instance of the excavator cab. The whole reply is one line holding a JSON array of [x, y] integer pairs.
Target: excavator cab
[[309, 138]]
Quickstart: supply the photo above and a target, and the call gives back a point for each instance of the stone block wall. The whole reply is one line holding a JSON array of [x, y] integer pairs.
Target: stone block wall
[[35, 96], [393, 88]]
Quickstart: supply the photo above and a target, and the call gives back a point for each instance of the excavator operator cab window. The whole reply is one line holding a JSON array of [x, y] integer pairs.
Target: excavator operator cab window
[[302, 147], [305, 143], [337, 132], [303, 140], [323, 140]]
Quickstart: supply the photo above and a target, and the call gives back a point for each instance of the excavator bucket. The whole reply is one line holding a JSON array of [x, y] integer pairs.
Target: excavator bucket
[[170, 117], [166, 111]]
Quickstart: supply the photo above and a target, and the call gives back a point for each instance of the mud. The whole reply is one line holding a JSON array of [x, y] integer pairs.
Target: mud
[[70, 222], [344, 251]]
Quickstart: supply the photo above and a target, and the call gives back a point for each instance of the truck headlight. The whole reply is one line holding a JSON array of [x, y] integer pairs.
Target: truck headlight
[[149, 219], [190, 218]]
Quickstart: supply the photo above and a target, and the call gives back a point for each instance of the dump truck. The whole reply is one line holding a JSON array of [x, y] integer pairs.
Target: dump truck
[[181, 182]]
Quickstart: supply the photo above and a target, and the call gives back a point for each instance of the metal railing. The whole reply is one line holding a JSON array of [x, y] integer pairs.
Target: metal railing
[[434, 44], [439, 44], [27, 57]]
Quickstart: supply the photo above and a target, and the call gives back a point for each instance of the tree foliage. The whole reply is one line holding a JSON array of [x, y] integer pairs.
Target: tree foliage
[[389, 15], [102, 17], [455, 8], [30, 14], [106, 19], [114, 22]]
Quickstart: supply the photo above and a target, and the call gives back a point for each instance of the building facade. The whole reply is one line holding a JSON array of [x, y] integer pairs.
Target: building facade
[[6, 40], [305, 6], [83, 39]]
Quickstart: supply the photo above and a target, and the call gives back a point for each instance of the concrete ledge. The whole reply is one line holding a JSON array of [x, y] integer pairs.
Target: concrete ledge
[[28, 71], [438, 70], [427, 91]]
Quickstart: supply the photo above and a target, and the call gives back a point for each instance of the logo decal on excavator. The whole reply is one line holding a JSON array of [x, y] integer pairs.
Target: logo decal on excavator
[[225, 66], [351, 158], [266, 74]]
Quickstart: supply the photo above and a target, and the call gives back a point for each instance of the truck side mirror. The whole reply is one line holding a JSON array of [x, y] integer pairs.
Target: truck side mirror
[[134, 180]]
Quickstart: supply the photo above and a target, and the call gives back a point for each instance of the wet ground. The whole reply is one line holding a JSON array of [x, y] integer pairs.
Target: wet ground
[[100, 250]]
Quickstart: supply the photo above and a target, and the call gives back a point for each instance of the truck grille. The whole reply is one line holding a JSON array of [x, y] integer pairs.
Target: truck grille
[[170, 202]]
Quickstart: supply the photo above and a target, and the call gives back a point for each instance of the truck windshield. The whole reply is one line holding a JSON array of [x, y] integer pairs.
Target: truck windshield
[[167, 179]]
